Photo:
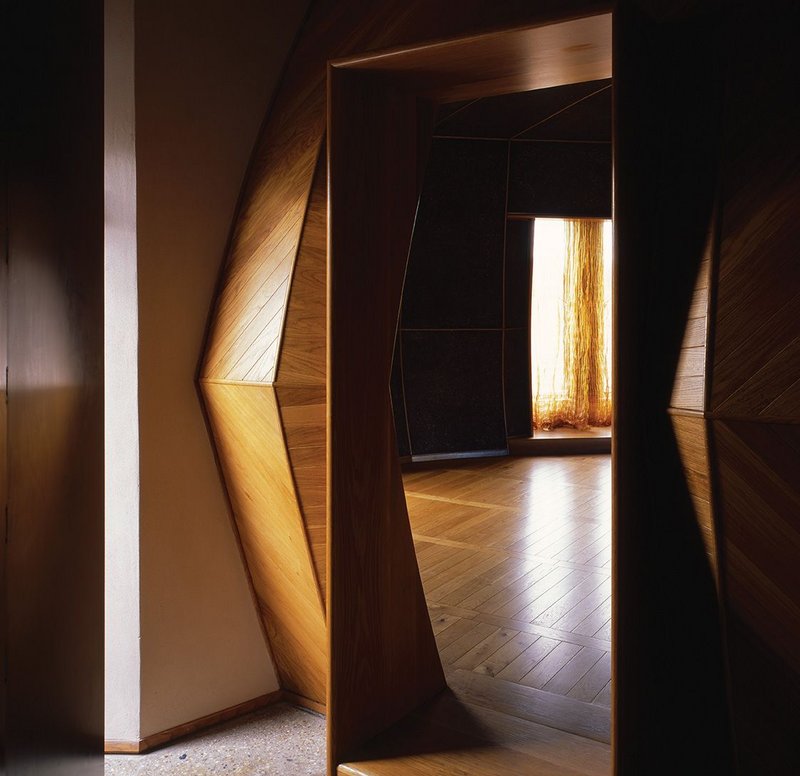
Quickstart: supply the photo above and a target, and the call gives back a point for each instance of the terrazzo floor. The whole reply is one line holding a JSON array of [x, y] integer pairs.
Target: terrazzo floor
[[280, 739]]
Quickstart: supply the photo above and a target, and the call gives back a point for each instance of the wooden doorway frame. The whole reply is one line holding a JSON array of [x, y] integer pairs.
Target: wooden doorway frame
[[383, 661], [383, 658]]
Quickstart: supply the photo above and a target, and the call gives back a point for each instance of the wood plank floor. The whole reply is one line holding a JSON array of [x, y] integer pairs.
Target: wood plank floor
[[515, 557]]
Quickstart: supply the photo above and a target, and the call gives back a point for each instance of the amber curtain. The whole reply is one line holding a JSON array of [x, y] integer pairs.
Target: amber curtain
[[583, 399]]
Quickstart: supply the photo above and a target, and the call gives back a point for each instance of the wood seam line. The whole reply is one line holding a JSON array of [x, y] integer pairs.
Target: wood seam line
[[559, 112], [564, 564], [309, 195], [309, 552]]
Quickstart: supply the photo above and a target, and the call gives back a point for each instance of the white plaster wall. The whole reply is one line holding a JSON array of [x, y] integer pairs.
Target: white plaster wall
[[183, 638], [121, 383], [205, 72]]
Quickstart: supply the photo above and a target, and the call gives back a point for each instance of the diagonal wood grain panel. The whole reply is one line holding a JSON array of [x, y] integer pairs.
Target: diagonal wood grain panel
[[758, 466], [691, 435], [759, 496], [300, 382], [303, 414], [757, 342], [688, 391], [246, 424], [755, 384], [303, 355]]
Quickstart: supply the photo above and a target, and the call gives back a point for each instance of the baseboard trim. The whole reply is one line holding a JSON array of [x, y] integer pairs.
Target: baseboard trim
[[560, 446], [179, 731], [298, 700], [121, 747]]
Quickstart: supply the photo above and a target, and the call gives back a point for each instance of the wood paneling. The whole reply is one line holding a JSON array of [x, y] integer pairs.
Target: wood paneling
[[300, 383], [269, 308], [255, 304], [755, 391], [383, 656], [246, 423], [759, 495], [515, 557], [454, 736], [372, 152], [479, 66], [3, 466], [756, 343], [666, 130], [302, 355], [303, 415], [691, 435], [758, 467], [689, 388], [52, 310]]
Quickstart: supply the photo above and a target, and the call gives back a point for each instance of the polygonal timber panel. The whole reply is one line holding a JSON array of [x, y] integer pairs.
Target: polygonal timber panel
[[248, 433], [691, 435]]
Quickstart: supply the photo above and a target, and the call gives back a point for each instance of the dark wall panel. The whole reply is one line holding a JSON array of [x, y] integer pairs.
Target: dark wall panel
[[560, 179], [517, 382], [516, 343], [509, 115], [399, 400], [519, 236], [455, 268], [469, 269], [590, 119], [454, 390], [54, 573]]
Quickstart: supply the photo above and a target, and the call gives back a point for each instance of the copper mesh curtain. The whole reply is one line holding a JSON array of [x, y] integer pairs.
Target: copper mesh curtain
[[574, 389]]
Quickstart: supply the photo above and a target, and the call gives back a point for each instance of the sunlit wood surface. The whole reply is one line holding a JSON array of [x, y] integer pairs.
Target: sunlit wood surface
[[515, 557]]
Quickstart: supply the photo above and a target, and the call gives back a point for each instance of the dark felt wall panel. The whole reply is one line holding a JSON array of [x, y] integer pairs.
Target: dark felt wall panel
[[454, 390], [455, 268], [590, 119], [517, 382], [398, 400], [518, 274], [512, 114], [560, 179], [459, 397]]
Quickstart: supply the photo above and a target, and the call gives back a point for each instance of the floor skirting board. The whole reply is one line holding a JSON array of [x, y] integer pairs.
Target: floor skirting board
[[179, 731]]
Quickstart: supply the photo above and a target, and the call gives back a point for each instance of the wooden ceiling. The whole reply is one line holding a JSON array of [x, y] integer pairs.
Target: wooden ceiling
[[575, 112]]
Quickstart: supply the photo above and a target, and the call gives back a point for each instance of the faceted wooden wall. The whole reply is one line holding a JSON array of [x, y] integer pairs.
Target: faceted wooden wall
[[755, 386], [736, 402], [263, 376]]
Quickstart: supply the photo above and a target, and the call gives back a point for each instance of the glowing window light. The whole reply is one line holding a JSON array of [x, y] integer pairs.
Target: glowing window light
[[548, 308]]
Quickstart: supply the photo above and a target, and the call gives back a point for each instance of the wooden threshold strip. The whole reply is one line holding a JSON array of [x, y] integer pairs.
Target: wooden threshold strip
[[456, 733]]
